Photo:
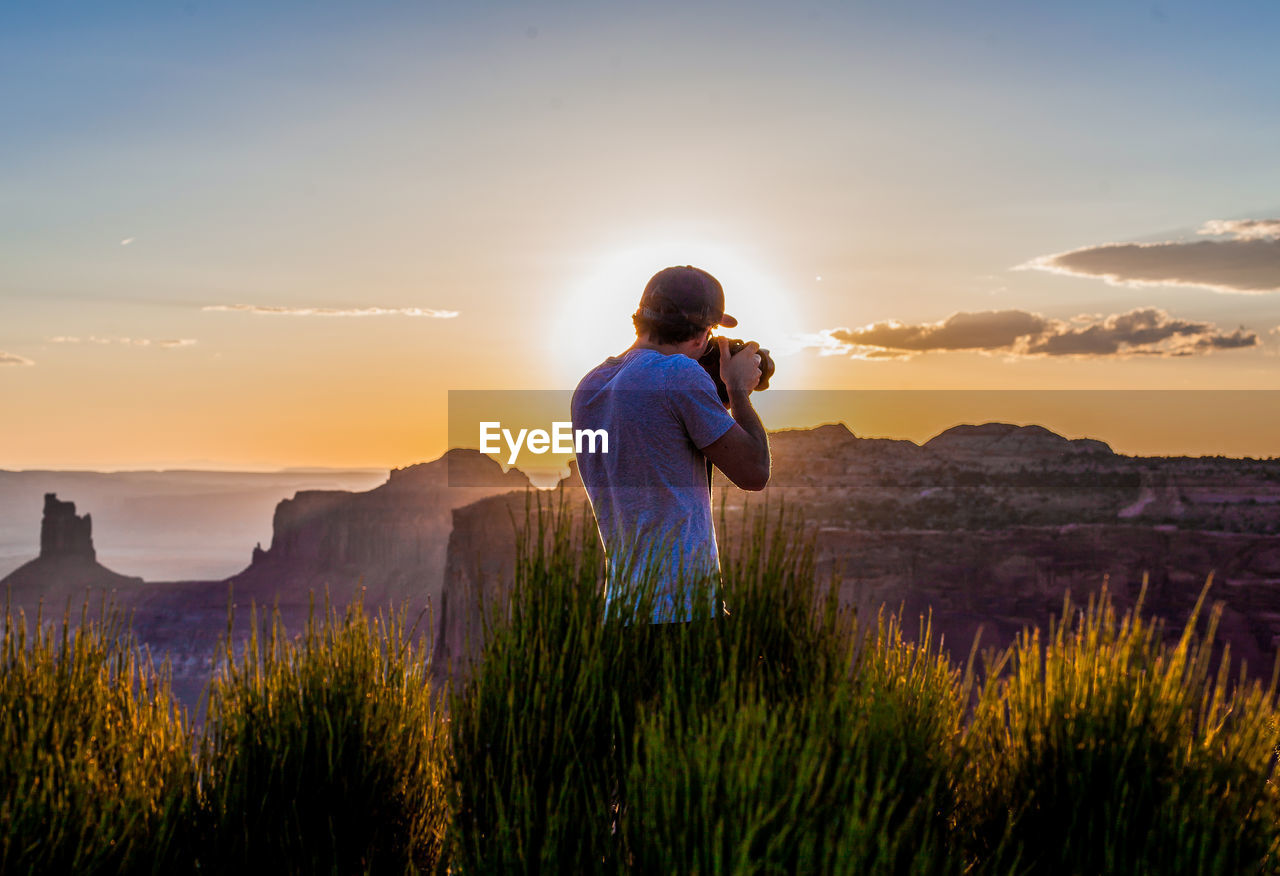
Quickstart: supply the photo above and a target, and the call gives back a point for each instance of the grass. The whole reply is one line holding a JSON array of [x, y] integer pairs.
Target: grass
[[533, 752], [788, 737], [850, 779], [1103, 750], [96, 771], [324, 753], [774, 740]]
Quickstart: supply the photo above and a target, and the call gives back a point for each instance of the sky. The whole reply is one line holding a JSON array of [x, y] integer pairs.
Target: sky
[[254, 236]]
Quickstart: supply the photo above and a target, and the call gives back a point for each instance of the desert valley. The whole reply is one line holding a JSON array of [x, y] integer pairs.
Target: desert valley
[[986, 527]]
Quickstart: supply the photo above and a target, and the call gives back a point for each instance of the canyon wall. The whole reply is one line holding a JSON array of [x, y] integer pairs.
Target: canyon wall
[[481, 559], [1003, 581], [986, 527], [388, 543]]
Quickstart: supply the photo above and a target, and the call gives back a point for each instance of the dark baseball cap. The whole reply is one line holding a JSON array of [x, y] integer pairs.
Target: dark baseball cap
[[687, 292]]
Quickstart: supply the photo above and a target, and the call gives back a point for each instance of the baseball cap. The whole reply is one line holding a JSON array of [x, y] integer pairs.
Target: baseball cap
[[688, 292]]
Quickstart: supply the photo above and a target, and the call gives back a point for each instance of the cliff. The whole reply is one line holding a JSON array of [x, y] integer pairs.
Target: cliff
[[987, 527], [385, 545], [481, 561], [896, 523], [389, 542], [1002, 581], [67, 567], [999, 582]]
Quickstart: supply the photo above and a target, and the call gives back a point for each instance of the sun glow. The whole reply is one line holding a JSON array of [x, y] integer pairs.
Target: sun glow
[[594, 319]]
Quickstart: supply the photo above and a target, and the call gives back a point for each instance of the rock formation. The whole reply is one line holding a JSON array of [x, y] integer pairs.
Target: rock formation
[[481, 561], [831, 455], [479, 570], [1002, 581], [935, 527], [994, 442], [388, 543], [62, 533], [986, 526], [67, 567]]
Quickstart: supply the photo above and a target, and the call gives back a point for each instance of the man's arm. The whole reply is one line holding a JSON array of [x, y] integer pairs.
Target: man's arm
[[742, 453]]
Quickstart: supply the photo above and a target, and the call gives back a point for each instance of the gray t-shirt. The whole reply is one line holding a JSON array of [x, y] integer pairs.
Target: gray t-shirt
[[649, 492]]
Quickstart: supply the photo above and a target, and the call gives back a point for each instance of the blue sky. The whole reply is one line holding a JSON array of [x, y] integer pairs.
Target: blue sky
[[338, 170]]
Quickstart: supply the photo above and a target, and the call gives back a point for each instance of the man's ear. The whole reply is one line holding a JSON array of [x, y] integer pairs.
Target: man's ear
[[697, 346]]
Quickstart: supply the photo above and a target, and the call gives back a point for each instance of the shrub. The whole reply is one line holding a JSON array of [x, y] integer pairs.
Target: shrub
[[324, 754], [535, 758], [854, 778], [1103, 751], [582, 745], [96, 772]]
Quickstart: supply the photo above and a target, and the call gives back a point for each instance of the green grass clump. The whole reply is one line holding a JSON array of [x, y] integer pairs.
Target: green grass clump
[[323, 754], [534, 752], [854, 778], [823, 748], [1102, 750], [96, 772], [764, 741]]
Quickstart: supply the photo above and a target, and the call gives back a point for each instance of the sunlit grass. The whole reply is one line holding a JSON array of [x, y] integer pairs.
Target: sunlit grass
[[1102, 750], [774, 740], [323, 753], [788, 737], [96, 770], [851, 778]]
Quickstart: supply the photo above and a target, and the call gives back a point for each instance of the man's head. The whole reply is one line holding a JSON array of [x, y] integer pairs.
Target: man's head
[[680, 304]]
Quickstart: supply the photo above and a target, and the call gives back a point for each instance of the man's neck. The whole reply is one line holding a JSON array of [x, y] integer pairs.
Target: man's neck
[[664, 349], [692, 350]]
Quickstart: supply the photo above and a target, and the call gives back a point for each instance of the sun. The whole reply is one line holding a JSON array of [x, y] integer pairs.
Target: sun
[[593, 319]]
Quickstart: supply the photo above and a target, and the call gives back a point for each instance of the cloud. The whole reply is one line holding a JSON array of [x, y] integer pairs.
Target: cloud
[[1142, 331], [1146, 331], [1246, 259], [127, 241], [272, 310], [13, 359], [1234, 341], [130, 342], [1243, 229], [991, 329]]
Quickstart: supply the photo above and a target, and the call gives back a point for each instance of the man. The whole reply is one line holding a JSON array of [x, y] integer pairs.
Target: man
[[664, 421]]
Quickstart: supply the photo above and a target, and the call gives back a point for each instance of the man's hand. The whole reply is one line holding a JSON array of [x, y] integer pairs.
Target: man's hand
[[742, 453], [740, 372]]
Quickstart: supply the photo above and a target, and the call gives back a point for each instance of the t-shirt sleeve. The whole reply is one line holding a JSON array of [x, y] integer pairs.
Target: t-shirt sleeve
[[692, 395]]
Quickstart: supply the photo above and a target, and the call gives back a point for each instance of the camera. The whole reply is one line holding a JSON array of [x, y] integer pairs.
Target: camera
[[710, 360]]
